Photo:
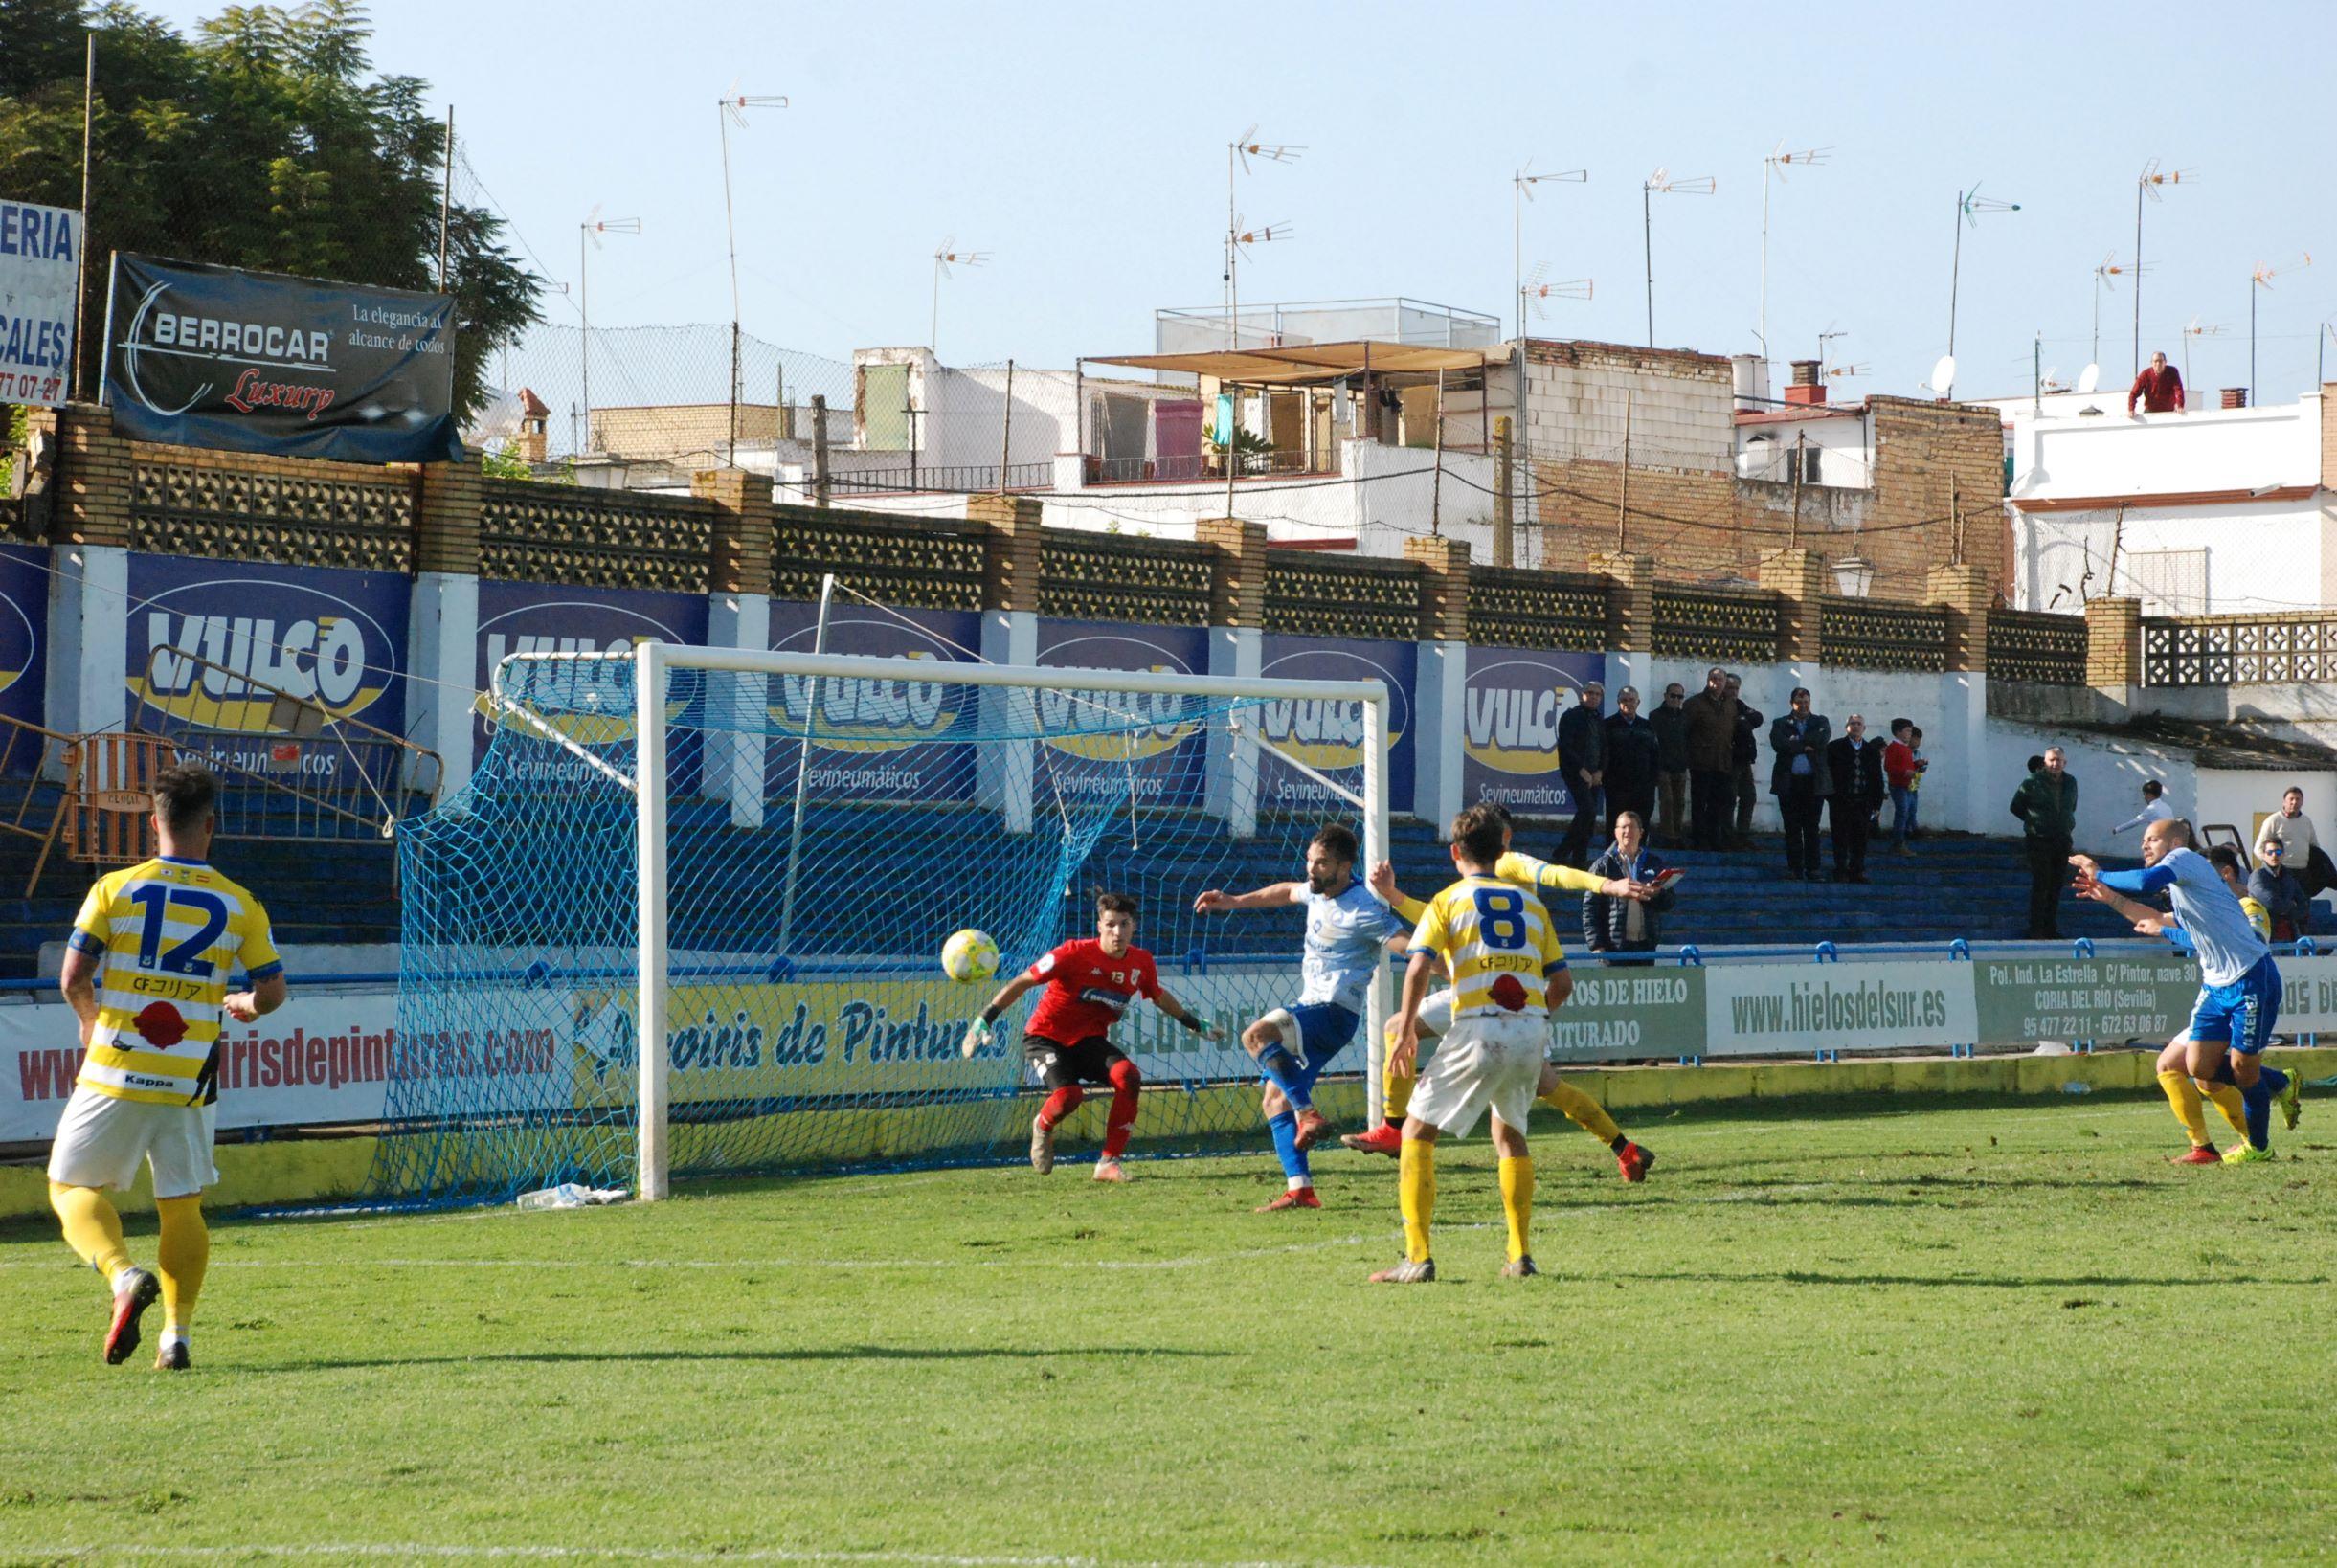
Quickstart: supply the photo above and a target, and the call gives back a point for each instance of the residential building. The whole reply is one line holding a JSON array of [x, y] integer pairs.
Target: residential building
[[2210, 510]]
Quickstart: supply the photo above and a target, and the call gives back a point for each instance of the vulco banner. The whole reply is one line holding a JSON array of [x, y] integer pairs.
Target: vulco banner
[[260, 362], [40, 261]]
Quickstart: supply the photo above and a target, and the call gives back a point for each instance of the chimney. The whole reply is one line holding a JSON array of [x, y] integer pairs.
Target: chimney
[[531, 416], [1806, 388], [2234, 397]]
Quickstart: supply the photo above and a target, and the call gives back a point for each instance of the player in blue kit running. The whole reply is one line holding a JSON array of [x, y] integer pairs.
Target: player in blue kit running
[[2239, 986], [1348, 928]]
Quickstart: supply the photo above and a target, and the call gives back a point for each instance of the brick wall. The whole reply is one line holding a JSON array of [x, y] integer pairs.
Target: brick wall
[[1918, 446], [1686, 518]]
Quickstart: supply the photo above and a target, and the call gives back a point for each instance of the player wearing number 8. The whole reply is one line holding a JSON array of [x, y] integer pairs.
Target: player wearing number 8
[[146, 972], [1508, 972]]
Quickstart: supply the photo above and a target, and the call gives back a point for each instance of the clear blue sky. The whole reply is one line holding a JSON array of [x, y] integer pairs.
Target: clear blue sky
[[1085, 145]]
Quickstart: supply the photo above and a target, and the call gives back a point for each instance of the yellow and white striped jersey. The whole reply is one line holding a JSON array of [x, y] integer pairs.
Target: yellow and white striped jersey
[[1519, 871], [1497, 943], [167, 933]]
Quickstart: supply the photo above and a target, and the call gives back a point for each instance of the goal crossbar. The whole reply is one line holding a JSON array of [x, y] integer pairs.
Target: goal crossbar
[[654, 660]]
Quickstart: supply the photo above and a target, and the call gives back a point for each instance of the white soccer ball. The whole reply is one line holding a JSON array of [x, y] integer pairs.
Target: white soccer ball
[[970, 955]]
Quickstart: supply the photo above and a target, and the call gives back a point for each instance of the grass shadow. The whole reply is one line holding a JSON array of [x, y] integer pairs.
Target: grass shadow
[[838, 1353]]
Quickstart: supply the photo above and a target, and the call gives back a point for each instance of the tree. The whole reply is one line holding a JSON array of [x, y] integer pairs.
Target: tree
[[264, 141]]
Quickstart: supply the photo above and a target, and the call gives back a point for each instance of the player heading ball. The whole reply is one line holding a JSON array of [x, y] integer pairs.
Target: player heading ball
[[1089, 984]]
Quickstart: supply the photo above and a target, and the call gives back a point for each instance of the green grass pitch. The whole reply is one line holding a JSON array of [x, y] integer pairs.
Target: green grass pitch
[[1965, 1332]]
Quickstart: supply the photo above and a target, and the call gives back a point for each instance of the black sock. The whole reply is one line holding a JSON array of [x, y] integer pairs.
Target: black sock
[[1620, 1144], [1396, 1122]]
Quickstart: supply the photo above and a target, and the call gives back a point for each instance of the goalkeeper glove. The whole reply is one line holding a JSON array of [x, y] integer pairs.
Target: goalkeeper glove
[[978, 1034]]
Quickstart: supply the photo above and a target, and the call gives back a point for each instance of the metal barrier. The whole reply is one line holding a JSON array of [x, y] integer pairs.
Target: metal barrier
[[34, 766], [109, 799], [289, 766]]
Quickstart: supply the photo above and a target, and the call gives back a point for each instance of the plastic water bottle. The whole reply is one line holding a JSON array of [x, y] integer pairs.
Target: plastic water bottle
[[568, 1195]]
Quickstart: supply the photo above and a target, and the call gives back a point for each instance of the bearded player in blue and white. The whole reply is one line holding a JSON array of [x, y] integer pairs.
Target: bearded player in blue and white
[[2239, 986], [1348, 929]]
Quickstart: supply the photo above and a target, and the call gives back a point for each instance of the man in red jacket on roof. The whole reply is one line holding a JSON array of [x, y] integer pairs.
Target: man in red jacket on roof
[[2160, 387]]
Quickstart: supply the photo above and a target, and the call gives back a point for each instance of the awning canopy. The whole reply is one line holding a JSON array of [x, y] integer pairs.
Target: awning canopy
[[1309, 362]]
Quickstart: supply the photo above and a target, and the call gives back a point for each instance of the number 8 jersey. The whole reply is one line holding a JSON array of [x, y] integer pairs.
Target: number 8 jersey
[[167, 934], [1497, 942]]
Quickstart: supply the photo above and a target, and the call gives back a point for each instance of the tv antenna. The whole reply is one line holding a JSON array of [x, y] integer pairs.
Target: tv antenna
[[2150, 182], [1536, 289], [2195, 330], [588, 240], [1826, 337], [946, 256], [731, 109], [1846, 372], [1523, 184], [2259, 280], [1970, 205], [1238, 153], [2106, 282], [1664, 183], [1776, 162]]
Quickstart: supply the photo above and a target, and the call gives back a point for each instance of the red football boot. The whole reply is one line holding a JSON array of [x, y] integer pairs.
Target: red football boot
[[1382, 1139], [1296, 1197], [1633, 1163], [2202, 1155]]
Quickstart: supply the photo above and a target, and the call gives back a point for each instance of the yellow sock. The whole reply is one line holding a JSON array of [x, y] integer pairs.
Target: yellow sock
[[2228, 1101], [182, 1255], [1518, 1202], [1416, 1189], [1399, 1094], [1583, 1111], [92, 1227]]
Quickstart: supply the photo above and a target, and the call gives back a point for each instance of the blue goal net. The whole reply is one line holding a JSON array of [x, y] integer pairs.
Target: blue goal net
[[825, 835]]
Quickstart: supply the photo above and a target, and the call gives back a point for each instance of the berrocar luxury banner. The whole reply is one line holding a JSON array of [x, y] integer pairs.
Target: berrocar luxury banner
[[260, 362]]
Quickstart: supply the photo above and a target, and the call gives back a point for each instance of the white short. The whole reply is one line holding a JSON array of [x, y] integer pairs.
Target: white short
[[101, 1140], [1487, 1062]]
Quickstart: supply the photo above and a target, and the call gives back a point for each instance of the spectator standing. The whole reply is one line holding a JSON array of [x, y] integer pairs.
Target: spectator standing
[[1712, 741], [1744, 751], [2280, 891], [1671, 721], [2047, 805], [1623, 925], [1915, 785], [1633, 757], [2159, 387], [1581, 762], [1898, 778], [1800, 780], [2300, 844], [2155, 808], [1854, 764]]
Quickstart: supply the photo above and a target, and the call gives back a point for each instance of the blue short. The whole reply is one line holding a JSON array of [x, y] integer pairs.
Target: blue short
[[2239, 1014], [1324, 1029]]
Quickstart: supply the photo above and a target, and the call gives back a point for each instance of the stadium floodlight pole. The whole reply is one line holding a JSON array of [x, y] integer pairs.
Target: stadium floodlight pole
[[731, 110], [803, 763], [653, 662]]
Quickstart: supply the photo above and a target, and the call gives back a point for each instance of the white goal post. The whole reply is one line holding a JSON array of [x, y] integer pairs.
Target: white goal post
[[655, 662]]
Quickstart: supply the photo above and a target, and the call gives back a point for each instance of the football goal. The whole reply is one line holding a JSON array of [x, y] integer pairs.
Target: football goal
[[686, 918]]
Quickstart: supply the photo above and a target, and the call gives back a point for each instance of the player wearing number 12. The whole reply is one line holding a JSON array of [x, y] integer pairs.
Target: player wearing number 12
[[146, 972], [1508, 973]]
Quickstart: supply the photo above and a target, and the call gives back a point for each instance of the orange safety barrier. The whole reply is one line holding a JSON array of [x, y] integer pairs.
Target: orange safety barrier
[[109, 797]]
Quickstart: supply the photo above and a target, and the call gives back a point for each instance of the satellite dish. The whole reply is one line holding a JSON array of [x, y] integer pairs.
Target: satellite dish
[[1944, 376], [2088, 379]]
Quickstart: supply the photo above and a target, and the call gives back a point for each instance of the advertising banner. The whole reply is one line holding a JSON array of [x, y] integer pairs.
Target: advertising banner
[[544, 617], [2138, 996], [321, 1057], [1509, 727], [1631, 1011], [40, 264], [1329, 736], [2309, 996], [1147, 744], [331, 638], [24, 662], [212, 356], [879, 740], [1787, 1010]]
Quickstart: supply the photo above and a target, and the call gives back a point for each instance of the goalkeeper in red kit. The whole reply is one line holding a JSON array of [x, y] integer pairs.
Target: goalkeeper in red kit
[[1088, 985]]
